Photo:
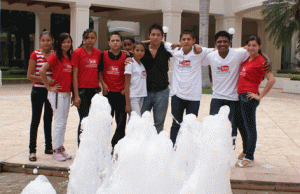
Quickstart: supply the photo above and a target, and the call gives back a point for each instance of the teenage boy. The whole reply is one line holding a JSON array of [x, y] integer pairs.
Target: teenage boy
[[225, 67], [112, 78], [156, 62], [186, 87]]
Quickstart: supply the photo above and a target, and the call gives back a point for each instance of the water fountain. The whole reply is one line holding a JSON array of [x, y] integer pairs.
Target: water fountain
[[146, 162]]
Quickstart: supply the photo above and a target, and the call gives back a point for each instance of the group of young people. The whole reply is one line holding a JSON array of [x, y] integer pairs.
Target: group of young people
[[137, 80]]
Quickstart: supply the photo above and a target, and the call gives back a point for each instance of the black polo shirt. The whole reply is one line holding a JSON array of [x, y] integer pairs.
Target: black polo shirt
[[157, 69]]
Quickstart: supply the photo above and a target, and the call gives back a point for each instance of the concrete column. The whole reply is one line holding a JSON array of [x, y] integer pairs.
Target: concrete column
[[172, 19], [143, 31], [79, 21], [102, 33], [268, 46], [219, 23], [236, 23], [293, 49], [96, 28], [42, 22]]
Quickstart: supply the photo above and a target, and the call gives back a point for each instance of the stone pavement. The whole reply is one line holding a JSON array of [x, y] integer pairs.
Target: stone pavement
[[277, 157]]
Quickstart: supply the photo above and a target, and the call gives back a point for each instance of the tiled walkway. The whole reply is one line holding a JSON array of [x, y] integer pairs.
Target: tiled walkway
[[277, 155]]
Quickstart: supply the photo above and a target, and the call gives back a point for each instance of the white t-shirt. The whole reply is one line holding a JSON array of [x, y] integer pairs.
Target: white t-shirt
[[187, 73], [225, 72], [138, 85]]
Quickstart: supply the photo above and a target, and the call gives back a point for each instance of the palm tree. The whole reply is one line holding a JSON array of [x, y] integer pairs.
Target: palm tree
[[283, 20], [203, 35]]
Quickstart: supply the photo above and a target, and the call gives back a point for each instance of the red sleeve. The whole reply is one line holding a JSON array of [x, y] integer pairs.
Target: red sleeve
[[33, 56], [52, 59], [75, 59]]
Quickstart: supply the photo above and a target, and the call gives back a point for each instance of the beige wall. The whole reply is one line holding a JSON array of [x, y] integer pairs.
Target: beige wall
[[243, 15]]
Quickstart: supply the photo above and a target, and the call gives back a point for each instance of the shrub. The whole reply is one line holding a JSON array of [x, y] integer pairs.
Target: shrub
[[17, 71], [18, 63], [287, 71], [4, 68], [297, 78]]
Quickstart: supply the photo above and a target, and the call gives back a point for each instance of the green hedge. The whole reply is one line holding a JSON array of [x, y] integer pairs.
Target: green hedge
[[288, 71], [295, 78], [17, 71], [4, 68]]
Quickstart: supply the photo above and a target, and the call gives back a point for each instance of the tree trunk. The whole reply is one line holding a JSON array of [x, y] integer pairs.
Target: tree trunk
[[203, 36]]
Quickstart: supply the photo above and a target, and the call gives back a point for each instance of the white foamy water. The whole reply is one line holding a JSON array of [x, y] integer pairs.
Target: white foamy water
[[40, 185], [145, 162]]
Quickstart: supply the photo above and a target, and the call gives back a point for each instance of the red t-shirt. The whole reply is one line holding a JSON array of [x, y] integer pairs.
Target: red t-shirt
[[40, 60], [62, 72], [87, 67], [251, 75], [113, 72]]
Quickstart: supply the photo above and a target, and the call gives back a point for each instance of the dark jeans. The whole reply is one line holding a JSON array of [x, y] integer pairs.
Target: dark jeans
[[234, 116], [159, 101], [38, 99], [178, 106], [117, 103], [86, 95], [249, 135]]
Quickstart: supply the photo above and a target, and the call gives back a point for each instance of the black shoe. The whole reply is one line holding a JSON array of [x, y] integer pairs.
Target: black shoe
[[32, 158], [49, 152]]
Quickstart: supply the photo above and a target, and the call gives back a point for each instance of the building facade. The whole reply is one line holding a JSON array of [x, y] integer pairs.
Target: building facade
[[242, 15]]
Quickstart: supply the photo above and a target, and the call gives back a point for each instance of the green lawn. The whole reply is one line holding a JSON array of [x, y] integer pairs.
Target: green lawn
[[206, 91]]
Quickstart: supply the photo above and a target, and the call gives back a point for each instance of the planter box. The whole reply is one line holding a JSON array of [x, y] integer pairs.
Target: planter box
[[278, 84], [291, 86]]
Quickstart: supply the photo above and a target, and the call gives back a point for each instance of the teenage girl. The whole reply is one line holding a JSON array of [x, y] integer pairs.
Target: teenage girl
[[85, 61], [251, 75], [59, 92], [39, 95], [127, 45], [135, 81]]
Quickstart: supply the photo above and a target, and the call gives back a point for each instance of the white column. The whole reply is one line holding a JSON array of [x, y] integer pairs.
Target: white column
[[96, 29], [172, 19], [236, 23], [102, 33], [79, 21], [143, 31], [42, 21], [219, 23]]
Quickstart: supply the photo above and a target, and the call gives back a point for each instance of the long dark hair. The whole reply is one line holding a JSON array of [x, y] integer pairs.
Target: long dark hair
[[58, 43], [257, 39], [85, 35]]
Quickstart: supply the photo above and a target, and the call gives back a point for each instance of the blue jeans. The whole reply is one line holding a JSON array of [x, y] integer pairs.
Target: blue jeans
[[159, 101], [234, 116], [178, 106], [249, 135], [86, 95]]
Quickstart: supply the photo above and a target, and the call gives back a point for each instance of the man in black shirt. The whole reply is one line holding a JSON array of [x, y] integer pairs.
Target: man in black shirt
[[156, 62]]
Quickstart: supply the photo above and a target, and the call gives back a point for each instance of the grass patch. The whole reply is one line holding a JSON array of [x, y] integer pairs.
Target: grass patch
[[206, 91]]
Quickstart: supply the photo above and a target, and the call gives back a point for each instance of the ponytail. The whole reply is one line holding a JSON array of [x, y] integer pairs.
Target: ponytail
[[81, 44]]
